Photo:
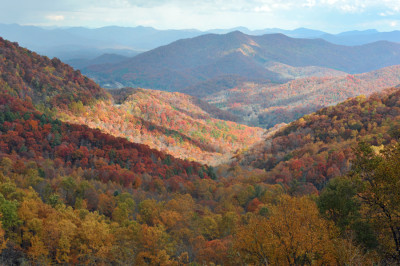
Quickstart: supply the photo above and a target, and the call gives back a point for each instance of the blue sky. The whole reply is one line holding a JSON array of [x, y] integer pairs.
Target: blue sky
[[327, 15]]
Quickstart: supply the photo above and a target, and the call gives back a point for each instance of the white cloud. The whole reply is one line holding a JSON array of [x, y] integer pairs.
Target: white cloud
[[55, 17]]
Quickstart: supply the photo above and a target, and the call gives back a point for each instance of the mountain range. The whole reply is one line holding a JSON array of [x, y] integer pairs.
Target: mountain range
[[86, 43], [187, 64]]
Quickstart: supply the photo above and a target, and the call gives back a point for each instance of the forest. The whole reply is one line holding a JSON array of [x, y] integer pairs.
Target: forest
[[321, 190]]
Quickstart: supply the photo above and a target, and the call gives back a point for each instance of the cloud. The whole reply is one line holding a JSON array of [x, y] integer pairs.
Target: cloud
[[55, 17], [203, 14]]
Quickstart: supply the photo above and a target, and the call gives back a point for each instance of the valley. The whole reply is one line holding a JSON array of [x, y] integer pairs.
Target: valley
[[223, 148], [268, 105]]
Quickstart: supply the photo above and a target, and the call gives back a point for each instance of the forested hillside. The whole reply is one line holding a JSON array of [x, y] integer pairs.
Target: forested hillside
[[171, 122], [47, 82], [322, 190], [310, 151]]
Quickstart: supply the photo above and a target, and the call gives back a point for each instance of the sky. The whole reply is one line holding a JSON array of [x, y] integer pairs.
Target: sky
[[328, 15]]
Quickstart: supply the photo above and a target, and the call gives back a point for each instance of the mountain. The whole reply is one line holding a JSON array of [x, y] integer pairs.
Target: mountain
[[268, 105], [296, 33], [187, 63]]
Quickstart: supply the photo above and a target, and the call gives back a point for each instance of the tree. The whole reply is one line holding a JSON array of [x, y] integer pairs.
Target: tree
[[338, 203], [294, 234], [377, 178], [9, 215]]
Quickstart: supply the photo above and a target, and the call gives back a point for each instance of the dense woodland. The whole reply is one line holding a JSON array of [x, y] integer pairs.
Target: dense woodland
[[322, 190], [319, 146]]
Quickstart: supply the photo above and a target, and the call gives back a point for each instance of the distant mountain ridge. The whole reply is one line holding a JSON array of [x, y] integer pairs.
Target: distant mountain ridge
[[84, 43], [184, 64], [362, 37]]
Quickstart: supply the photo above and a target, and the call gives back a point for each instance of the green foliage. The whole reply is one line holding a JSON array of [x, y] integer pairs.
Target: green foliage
[[377, 177], [338, 203], [9, 214], [211, 172]]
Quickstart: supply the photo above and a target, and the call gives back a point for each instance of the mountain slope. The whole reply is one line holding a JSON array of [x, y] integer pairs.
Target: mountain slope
[[308, 152], [188, 62], [175, 123], [47, 82]]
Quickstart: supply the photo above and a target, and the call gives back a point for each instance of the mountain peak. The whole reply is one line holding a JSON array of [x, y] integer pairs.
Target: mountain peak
[[236, 33]]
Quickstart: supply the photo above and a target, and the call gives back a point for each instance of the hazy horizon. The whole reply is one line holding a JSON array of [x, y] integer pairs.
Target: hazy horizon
[[331, 16], [49, 27]]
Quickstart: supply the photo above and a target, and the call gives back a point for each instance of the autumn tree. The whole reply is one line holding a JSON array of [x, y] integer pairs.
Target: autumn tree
[[293, 234]]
